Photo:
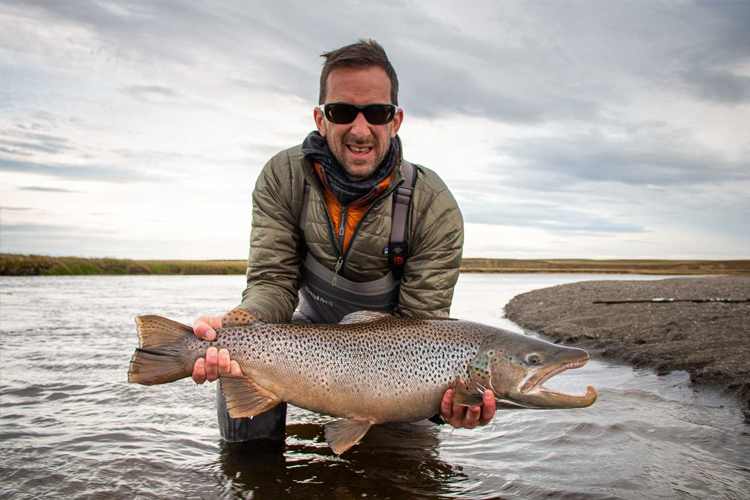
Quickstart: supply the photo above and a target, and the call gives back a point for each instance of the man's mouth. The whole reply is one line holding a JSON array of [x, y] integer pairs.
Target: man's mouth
[[359, 151]]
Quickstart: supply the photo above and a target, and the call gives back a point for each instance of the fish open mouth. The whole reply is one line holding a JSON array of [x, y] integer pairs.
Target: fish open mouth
[[532, 389]]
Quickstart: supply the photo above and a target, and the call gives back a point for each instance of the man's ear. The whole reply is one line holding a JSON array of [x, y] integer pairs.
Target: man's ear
[[319, 121], [396, 123]]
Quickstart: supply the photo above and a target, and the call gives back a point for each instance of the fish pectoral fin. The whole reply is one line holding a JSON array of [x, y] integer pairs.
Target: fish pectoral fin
[[244, 397], [464, 397], [343, 434], [364, 317]]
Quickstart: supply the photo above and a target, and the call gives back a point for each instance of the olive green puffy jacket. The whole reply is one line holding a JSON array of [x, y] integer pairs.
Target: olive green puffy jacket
[[435, 239]]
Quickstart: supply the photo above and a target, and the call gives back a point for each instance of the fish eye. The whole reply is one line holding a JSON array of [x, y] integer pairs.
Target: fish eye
[[533, 359]]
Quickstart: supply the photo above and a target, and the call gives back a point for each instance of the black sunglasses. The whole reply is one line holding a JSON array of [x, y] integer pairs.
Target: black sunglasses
[[342, 112]]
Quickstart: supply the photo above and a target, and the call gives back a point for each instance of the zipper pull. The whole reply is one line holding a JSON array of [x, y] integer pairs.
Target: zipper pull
[[336, 270]]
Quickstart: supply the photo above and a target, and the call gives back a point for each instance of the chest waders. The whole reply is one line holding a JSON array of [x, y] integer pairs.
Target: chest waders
[[326, 297]]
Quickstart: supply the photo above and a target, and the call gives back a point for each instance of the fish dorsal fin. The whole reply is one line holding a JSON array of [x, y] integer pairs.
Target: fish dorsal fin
[[466, 397], [238, 317], [364, 317], [343, 434], [244, 397], [155, 331]]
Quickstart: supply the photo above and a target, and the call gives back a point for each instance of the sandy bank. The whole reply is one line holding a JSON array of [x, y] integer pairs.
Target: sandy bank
[[711, 341]]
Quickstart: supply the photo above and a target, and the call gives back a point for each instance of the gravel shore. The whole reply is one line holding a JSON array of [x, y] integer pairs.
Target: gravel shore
[[711, 341]]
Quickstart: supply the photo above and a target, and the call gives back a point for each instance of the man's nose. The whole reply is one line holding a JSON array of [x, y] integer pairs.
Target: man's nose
[[360, 127]]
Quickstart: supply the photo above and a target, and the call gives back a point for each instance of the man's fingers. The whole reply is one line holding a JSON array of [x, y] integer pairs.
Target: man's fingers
[[472, 417], [234, 368], [223, 361], [446, 406], [212, 367], [488, 407], [203, 329], [215, 321], [199, 371]]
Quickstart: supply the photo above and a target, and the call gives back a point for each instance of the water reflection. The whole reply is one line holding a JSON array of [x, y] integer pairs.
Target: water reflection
[[392, 461]]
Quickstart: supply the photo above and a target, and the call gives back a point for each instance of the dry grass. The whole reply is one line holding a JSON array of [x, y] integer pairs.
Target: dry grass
[[618, 266], [41, 265]]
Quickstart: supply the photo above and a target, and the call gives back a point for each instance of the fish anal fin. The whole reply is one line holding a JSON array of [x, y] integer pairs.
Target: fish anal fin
[[155, 331], [244, 397], [343, 434], [462, 396], [364, 317]]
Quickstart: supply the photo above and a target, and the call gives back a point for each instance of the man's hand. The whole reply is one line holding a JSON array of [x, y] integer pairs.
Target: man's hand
[[217, 361], [467, 417]]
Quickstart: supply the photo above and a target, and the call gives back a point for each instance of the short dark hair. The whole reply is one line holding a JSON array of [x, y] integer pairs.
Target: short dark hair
[[363, 54]]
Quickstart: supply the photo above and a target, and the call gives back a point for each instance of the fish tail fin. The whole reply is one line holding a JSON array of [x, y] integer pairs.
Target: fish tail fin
[[158, 360], [155, 331]]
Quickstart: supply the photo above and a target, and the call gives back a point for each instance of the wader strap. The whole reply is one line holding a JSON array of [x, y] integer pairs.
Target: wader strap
[[398, 247]]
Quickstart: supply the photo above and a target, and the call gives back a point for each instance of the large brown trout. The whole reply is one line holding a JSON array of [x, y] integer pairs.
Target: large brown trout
[[371, 368]]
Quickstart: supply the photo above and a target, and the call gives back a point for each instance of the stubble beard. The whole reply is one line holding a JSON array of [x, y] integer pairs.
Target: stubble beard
[[349, 165]]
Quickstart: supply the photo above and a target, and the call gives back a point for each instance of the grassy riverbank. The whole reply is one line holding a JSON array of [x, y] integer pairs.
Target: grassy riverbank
[[41, 265]]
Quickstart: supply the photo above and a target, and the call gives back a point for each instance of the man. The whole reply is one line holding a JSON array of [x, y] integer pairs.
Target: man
[[327, 228]]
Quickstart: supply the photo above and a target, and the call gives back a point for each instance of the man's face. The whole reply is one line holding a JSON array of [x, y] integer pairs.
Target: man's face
[[359, 146]]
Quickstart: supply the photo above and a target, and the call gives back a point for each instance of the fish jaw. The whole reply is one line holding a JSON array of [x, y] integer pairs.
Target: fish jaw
[[516, 366], [531, 392]]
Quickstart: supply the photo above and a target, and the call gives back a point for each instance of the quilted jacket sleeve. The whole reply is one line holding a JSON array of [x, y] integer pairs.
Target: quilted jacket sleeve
[[436, 245], [273, 264]]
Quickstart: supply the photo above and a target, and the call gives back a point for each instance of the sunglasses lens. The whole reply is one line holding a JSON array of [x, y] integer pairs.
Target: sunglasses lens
[[379, 114], [341, 113], [375, 114]]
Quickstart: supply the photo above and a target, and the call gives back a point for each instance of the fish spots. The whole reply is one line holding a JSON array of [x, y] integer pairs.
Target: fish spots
[[402, 359]]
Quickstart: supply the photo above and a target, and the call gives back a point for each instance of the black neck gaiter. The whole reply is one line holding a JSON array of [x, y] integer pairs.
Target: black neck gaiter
[[345, 190]]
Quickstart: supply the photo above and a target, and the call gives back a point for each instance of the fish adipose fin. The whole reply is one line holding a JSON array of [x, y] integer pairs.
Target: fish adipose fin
[[464, 397], [364, 317], [343, 434], [157, 361], [244, 397]]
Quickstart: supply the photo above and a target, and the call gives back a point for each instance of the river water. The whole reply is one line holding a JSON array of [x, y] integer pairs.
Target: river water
[[72, 427]]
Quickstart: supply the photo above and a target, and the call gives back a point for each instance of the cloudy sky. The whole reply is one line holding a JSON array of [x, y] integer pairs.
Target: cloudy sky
[[591, 129]]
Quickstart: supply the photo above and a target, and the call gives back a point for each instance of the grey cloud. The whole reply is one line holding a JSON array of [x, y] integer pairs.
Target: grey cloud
[[34, 228], [648, 157], [718, 85], [717, 46], [729, 38], [550, 216], [27, 148], [99, 173], [435, 89], [274, 48], [43, 189], [16, 209], [19, 141], [283, 78], [52, 230], [151, 93], [14, 152]]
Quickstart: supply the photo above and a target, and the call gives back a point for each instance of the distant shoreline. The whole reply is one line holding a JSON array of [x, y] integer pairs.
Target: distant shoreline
[[41, 265]]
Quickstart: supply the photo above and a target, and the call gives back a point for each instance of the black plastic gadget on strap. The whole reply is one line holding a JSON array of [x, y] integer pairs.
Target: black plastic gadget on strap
[[398, 246]]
